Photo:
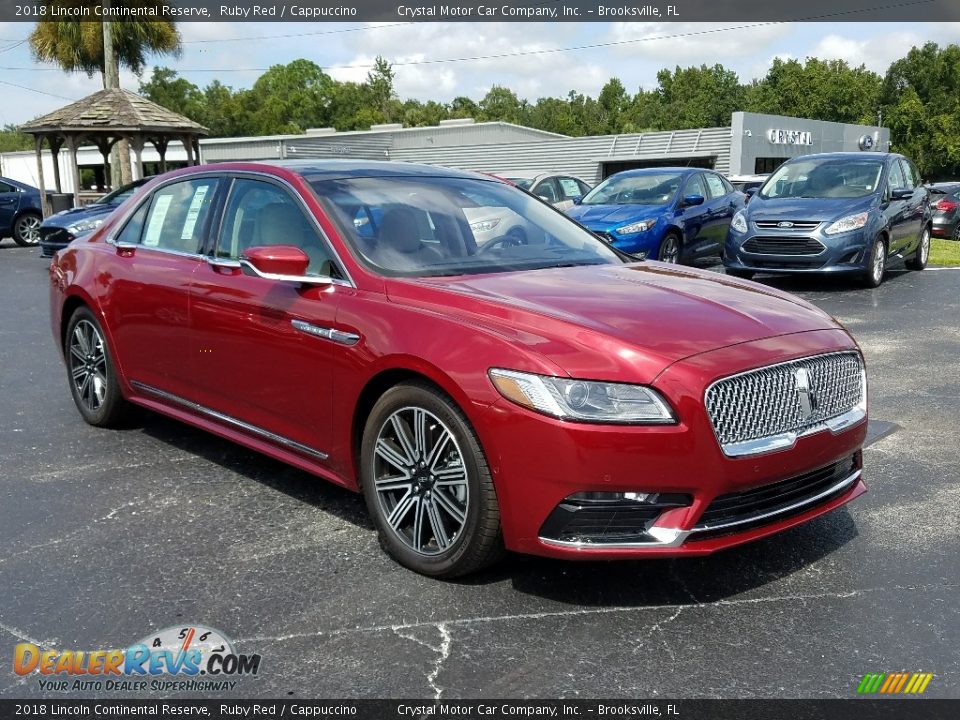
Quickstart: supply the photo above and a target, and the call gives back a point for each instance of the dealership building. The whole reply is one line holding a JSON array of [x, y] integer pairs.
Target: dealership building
[[752, 143]]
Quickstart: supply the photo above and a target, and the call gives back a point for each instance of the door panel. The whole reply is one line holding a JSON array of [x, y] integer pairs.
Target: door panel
[[916, 210], [9, 201], [897, 211], [696, 218]]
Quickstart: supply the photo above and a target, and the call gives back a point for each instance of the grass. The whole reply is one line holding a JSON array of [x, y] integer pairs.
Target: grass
[[945, 253]]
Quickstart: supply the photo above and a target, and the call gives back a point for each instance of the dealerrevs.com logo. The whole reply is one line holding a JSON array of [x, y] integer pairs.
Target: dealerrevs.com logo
[[175, 659]]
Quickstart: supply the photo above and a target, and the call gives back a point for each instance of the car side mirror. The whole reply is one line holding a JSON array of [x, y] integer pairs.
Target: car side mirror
[[284, 263], [577, 199], [693, 200], [901, 194]]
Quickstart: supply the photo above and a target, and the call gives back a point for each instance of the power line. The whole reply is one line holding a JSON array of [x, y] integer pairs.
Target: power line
[[34, 90]]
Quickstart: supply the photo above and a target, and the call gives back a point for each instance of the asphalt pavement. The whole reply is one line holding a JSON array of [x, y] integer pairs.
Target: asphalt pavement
[[108, 536]]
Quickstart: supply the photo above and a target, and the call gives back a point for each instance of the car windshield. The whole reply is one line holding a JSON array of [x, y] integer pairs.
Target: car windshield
[[646, 189], [119, 195], [524, 183], [825, 178], [432, 226]]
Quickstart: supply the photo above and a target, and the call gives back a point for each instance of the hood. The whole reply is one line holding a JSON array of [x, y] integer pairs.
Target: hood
[[599, 217], [75, 215], [618, 322], [819, 209]]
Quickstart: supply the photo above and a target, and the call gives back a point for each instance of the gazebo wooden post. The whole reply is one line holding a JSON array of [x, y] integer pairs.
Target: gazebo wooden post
[[74, 167], [196, 148], [188, 146], [136, 142], [55, 144], [44, 202]]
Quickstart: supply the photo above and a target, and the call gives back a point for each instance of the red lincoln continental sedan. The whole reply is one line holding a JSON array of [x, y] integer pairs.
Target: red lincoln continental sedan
[[541, 393]]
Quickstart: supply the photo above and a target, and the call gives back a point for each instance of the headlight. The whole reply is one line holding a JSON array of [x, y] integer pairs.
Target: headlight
[[636, 227], [583, 400], [850, 222], [484, 225], [739, 222], [84, 226]]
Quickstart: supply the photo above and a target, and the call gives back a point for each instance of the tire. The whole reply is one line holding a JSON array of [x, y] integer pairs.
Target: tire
[[671, 247], [26, 229], [742, 274], [91, 372], [920, 258], [877, 264], [459, 521]]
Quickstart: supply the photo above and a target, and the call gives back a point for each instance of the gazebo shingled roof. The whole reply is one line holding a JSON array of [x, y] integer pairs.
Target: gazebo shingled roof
[[105, 117]]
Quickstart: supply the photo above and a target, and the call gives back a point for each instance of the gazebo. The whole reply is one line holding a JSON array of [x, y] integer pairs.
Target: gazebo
[[103, 119]]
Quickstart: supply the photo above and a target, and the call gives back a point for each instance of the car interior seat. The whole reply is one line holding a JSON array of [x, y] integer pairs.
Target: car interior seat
[[399, 245]]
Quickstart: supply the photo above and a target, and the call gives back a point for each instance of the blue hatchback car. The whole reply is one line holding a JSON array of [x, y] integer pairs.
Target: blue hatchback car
[[667, 214], [834, 213]]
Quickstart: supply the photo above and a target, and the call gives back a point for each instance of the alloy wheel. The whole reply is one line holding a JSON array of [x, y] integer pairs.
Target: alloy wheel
[[879, 261], [421, 480], [924, 247], [670, 249], [88, 365], [28, 229]]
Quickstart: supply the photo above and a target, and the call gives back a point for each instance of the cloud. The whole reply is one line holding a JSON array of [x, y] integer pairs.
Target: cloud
[[876, 52]]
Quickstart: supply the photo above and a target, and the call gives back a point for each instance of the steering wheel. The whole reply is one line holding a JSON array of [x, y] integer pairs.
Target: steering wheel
[[515, 237]]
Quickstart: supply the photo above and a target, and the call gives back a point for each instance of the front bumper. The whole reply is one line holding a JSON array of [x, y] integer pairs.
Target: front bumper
[[644, 244], [757, 250], [53, 239], [540, 462]]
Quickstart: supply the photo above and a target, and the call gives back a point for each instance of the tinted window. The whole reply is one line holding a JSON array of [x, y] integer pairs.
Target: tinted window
[[715, 185], [260, 213], [134, 228], [909, 174], [695, 186], [896, 181], [546, 190], [178, 215], [4, 187], [584, 188], [422, 226]]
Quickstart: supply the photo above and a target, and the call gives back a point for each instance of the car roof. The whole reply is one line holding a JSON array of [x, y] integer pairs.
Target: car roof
[[652, 170], [845, 156], [331, 169]]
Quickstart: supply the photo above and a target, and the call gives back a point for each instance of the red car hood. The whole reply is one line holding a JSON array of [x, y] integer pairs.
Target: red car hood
[[619, 322]]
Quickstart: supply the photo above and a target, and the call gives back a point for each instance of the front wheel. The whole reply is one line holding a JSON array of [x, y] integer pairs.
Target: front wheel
[[26, 230], [92, 373], [919, 260], [427, 484], [877, 264], [670, 248]]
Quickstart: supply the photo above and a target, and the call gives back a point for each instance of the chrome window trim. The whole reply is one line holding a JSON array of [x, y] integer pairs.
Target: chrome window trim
[[836, 487], [229, 420], [783, 441]]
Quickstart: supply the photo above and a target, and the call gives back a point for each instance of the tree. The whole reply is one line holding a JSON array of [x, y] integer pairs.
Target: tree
[[290, 98], [501, 103], [697, 97], [382, 97]]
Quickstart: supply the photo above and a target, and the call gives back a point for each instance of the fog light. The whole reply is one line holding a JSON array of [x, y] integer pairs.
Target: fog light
[[613, 497]]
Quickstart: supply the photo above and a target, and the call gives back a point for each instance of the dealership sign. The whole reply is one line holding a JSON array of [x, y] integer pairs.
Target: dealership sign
[[790, 137]]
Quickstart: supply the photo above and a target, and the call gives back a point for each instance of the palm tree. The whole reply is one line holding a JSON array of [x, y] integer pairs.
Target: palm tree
[[78, 47]]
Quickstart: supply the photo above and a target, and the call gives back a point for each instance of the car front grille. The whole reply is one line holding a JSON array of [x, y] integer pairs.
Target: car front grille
[[54, 235], [739, 511], [787, 225], [783, 246], [767, 408]]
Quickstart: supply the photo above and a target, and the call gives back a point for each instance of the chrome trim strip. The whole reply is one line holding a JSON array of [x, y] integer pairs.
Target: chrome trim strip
[[849, 480], [202, 410], [327, 333], [666, 538]]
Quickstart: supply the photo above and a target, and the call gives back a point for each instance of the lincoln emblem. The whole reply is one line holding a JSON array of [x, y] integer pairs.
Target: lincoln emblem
[[808, 398]]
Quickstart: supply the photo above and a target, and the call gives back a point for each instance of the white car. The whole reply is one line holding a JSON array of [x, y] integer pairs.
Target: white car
[[558, 189], [747, 182]]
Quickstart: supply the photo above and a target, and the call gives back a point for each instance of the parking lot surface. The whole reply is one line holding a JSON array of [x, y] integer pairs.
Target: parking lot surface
[[110, 535]]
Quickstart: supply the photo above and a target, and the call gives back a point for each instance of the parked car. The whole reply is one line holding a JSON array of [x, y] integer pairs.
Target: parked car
[[58, 231], [833, 213], [551, 397], [20, 212], [558, 189], [945, 206], [746, 183], [666, 214]]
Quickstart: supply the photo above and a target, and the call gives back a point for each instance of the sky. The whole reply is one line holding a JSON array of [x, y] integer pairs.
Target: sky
[[236, 53]]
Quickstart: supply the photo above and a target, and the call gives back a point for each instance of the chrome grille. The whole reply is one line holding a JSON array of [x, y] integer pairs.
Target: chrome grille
[[788, 225], [769, 402]]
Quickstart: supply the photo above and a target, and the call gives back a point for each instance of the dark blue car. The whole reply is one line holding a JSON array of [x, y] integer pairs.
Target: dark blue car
[[20, 212], [59, 230], [667, 214], [848, 213]]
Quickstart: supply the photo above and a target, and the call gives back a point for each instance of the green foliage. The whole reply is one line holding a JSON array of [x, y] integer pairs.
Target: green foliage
[[11, 140]]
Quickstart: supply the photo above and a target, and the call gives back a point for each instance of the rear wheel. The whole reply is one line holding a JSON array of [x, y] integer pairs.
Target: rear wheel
[[26, 229], [877, 264], [919, 260], [427, 484], [670, 248], [92, 373]]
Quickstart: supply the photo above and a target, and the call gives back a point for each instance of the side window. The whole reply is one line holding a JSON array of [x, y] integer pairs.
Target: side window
[[545, 190], [133, 230], [896, 181], [569, 188], [715, 185], [909, 174], [4, 187], [260, 213], [695, 186], [179, 214], [584, 188]]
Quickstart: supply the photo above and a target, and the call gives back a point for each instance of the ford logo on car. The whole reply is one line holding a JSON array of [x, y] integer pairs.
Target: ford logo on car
[[785, 224]]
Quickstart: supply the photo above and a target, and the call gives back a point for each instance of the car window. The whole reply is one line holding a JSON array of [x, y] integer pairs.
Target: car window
[[178, 215], [545, 190], [4, 187], [584, 188], [647, 188], [695, 186], [715, 185], [896, 181], [909, 174], [132, 231], [569, 188], [261, 213]]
